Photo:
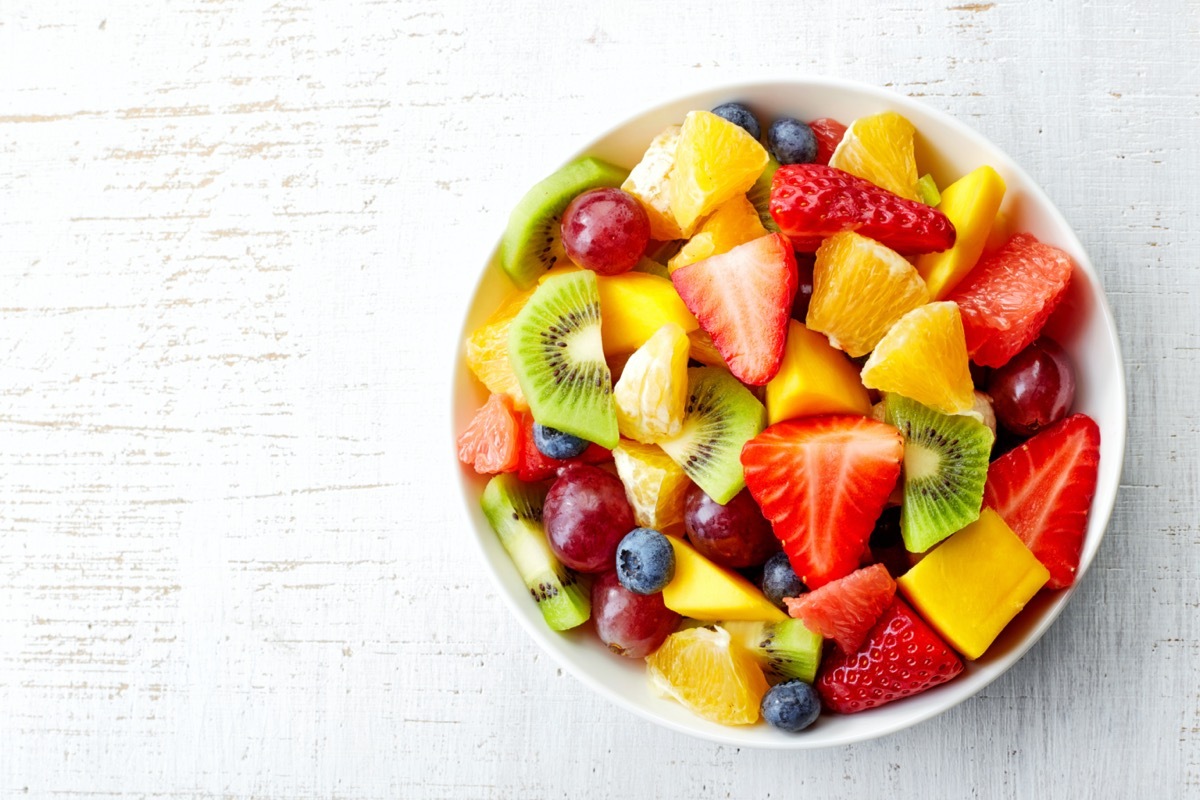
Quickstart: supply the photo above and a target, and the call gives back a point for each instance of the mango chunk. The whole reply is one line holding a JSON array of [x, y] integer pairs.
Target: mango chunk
[[814, 378], [702, 590], [972, 586], [633, 305], [971, 203]]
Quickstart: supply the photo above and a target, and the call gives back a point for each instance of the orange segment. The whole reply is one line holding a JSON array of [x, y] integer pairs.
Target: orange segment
[[879, 148], [654, 485], [860, 289], [649, 182], [715, 161], [924, 358], [735, 222], [653, 389], [706, 671], [487, 351]]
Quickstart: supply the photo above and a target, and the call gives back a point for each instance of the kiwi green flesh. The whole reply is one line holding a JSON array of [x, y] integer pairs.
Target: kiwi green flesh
[[514, 510], [785, 649], [760, 196], [556, 352], [532, 242], [945, 468], [720, 417]]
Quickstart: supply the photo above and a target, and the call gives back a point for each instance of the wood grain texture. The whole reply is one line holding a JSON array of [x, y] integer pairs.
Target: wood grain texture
[[237, 237]]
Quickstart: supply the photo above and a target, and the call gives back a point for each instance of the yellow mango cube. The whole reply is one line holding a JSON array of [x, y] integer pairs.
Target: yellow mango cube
[[971, 203], [972, 586], [633, 305], [814, 378], [702, 590]]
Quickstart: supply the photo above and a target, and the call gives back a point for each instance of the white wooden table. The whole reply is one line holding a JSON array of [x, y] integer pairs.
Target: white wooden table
[[236, 239]]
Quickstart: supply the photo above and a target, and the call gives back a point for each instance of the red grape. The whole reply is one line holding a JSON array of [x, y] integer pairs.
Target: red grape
[[632, 625], [586, 515], [1034, 389], [733, 535], [605, 230]]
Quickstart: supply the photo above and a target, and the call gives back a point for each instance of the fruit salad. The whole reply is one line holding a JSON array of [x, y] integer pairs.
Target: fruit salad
[[773, 413]]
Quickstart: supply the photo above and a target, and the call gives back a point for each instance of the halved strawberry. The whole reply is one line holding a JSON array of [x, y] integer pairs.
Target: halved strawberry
[[742, 299], [535, 466], [492, 442], [901, 657], [823, 481], [1043, 490], [811, 202], [846, 609]]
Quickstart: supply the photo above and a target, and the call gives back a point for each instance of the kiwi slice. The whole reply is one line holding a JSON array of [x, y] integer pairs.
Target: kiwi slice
[[785, 649], [760, 196], [532, 243], [514, 510], [945, 467], [720, 417], [555, 350]]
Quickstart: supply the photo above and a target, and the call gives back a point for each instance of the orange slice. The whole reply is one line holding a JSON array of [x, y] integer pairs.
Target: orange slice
[[706, 671], [715, 161], [487, 351], [654, 485], [879, 148], [653, 389], [860, 289], [735, 222], [924, 358]]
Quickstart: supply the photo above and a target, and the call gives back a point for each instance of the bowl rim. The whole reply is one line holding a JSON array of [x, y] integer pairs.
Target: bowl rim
[[1102, 506]]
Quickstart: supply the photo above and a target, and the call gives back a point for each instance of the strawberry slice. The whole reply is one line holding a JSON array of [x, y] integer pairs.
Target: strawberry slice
[[536, 466], [1043, 490], [811, 202], [822, 482], [743, 299], [829, 133], [846, 609], [901, 657]]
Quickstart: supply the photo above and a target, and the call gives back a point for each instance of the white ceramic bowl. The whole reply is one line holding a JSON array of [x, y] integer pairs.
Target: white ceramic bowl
[[1083, 325]]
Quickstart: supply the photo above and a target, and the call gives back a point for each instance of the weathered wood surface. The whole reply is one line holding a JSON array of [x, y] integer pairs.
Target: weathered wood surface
[[237, 237]]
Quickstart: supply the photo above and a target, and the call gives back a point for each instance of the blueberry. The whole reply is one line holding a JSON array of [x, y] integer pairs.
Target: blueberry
[[553, 443], [792, 142], [791, 706], [645, 561], [779, 579], [739, 115]]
